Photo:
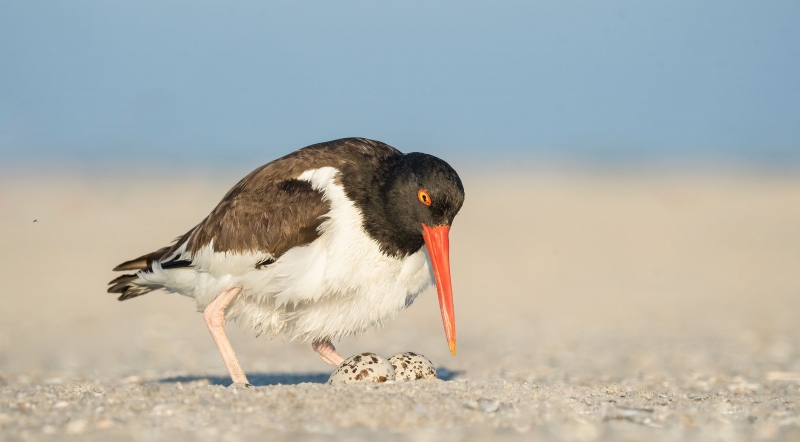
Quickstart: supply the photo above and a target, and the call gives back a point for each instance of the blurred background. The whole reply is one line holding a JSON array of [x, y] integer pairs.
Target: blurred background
[[184, 83], [631, 169]]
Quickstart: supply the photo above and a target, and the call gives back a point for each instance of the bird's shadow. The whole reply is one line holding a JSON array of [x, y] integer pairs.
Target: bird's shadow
[[265, 379]]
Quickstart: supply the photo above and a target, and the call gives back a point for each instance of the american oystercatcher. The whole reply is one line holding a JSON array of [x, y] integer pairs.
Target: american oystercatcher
[[317, 245]]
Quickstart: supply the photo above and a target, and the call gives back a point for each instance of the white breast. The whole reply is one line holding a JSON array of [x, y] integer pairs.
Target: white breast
[[338, 285]]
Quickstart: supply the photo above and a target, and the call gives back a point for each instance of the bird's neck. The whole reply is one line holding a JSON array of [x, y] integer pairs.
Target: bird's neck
[[383, 220]]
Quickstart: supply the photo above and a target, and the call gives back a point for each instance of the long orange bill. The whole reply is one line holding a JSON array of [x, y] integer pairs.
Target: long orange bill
[[437, 240]]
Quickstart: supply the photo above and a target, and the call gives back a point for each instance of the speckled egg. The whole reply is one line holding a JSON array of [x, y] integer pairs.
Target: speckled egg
[[364, 367], [410, 366]]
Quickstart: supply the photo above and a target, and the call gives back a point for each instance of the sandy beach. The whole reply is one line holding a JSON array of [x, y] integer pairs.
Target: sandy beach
[[591, 305]]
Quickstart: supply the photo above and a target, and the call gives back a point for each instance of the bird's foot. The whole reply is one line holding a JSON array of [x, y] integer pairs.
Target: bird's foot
[[240, 385], [327, 352]]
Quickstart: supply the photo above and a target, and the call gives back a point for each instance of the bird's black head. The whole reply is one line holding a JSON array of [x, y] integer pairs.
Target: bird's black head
[[420, 189], [423, 194]]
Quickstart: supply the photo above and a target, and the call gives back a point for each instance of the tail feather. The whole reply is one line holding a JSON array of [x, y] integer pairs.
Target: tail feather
[[118, 279], [128, 288]]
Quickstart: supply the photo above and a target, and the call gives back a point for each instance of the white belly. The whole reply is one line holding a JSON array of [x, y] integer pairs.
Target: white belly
[[342, 298]]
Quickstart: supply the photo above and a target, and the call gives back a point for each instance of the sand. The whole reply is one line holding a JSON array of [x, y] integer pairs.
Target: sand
[[591, 305]]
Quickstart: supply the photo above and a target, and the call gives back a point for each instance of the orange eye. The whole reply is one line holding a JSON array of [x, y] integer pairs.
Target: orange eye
[[424, 197]]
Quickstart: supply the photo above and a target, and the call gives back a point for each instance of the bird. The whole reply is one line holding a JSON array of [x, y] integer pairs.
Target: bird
[[326, 242]]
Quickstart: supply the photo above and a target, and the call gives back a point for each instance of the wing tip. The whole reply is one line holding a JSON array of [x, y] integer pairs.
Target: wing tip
[[134, 264]]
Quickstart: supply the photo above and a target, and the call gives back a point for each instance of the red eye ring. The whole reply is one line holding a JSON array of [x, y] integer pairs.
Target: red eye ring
[[424, 197]]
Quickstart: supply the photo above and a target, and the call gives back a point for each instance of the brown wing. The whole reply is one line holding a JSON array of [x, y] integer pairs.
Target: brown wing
[[268, 211], [272, 218], [269, 217]]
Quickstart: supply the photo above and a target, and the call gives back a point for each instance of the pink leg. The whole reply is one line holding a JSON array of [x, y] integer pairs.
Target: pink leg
[[327, 352], [214, 315]]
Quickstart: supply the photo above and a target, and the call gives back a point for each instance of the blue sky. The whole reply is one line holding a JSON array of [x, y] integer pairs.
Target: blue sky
[[195, 81]]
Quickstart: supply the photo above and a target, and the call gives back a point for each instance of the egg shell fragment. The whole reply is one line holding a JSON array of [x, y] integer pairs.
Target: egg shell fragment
[[364, 367], [410, 366]]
